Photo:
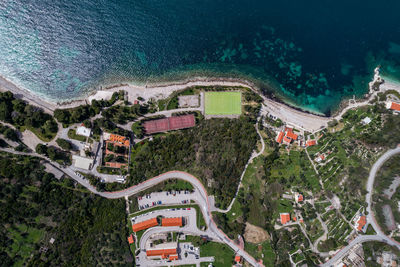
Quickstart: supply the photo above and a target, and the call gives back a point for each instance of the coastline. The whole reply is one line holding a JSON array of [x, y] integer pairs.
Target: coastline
[[135, 90], [305, 119], [34, 99]]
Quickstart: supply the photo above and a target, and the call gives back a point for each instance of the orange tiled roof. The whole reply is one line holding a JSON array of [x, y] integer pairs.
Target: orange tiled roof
[[172, 221], [287, 139], [130, 239], [280, 137], [322, 156], [291, 135], [300, 198], [144, 225], [173, 257], [285, 218], [119, 139], [361, 222], [311, 143], [164, 253], [238, 258], [395, 106]]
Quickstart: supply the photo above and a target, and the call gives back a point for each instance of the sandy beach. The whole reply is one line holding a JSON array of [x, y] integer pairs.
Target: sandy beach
[[48, 106], [301, 119]]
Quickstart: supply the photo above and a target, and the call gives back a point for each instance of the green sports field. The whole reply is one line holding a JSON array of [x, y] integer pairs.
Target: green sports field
[[223, 103]]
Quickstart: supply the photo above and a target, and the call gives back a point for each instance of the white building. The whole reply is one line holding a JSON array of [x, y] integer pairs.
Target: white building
[[366, 120], [82, 162], [82, 130]]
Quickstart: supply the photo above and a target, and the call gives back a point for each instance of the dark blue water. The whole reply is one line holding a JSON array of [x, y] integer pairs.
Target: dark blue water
[[312, 53]]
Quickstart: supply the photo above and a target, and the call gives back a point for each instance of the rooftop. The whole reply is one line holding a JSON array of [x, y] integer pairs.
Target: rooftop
[[280, 137], [82, 130], [144, 225], [82, 162], [285, 218], [311, 142], [172, 221]]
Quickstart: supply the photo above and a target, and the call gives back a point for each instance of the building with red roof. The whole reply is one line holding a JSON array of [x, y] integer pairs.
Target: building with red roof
[[287, 140], [311, 143], [173, 257], [238, 259], [360, 223], [393, 106], [320, 158], [298, 197], [172, 221], [280, 137], [169, 124], [130, 239], [164, 251], [144, 225], [285, 217], [291, 135]]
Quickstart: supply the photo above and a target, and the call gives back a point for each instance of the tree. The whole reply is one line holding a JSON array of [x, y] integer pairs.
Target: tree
[[64, 144], [11, 134], [51, 126], [41, 149]]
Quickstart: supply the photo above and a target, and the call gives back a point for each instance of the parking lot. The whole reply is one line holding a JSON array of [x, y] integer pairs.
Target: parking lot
[[188, 213], [165, 198], [188, 254]]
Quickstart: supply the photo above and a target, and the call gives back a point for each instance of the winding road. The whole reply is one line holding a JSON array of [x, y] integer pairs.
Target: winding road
[[253, 156], [380, 235], [202, 201]]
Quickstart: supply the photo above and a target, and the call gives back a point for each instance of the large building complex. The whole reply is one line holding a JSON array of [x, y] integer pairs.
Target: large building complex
[[116, 153]]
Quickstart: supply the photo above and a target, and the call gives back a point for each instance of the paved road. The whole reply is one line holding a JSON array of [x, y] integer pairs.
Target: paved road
[[357, 240], [371, 179], [202, 200], [380, 235], [253, 156], [164, 230]]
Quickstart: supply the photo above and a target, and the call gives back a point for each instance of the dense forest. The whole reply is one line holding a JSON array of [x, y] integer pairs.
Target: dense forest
[[36, 209], [215, 151], [84, 112]]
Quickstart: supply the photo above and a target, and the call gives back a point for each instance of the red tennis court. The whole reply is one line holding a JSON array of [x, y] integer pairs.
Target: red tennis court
[[168, 124]]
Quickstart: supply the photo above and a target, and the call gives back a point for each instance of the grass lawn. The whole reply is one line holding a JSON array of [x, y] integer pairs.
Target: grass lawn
[[260, 250], [223, 103], [72, 134], [223, 254]]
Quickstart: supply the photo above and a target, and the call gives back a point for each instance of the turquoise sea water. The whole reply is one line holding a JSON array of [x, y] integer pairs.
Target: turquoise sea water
[[311, 53]]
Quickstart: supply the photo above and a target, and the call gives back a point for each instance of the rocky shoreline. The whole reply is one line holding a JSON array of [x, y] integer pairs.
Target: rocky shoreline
[[163, 90]]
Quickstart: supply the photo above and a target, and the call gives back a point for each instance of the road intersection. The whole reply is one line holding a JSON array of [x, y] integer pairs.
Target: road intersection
[[202, 200], [380, 235]]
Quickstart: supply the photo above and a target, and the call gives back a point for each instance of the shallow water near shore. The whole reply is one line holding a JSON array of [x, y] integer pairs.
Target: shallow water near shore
[[312, 54]]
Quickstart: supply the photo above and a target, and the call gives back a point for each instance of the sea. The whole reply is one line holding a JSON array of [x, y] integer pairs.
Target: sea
[[311, 54]]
